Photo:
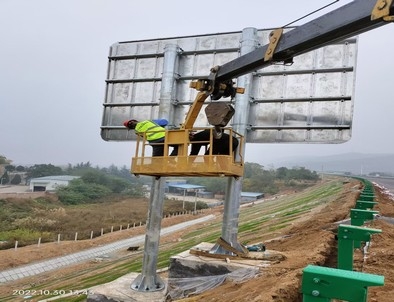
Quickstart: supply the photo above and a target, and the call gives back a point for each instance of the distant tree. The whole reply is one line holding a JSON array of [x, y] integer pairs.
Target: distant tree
[[212, 184], [16, 180], [68, 196], [95, 176], [10, 168], [125, 173], [117, 184], [281, 172], [105, 176], [263, 182], [301, 173], [69, 169], [114, 183], [134, 190], [44, 170], [4, 179], [112, 169], [257, 179], [96, 183], [79, 191], [20, 168], [4, 160], [84, 165], [253, 170]]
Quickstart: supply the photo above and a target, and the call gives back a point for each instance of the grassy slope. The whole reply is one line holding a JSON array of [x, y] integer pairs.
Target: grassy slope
[[257, 223]]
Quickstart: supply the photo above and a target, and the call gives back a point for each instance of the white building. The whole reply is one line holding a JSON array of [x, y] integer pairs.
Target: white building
[[50, 183]]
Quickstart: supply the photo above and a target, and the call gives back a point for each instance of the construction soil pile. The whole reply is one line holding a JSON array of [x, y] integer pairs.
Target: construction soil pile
[[310, 240]]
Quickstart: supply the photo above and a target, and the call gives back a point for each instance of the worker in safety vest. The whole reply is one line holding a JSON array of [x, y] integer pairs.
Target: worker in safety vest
[[220, 146], [154, 131]]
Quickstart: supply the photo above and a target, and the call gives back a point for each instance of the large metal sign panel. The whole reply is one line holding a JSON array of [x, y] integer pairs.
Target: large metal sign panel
[[310, 101]]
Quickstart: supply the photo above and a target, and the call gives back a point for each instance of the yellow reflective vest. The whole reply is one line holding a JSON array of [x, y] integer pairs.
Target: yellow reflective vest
[[153, 131]]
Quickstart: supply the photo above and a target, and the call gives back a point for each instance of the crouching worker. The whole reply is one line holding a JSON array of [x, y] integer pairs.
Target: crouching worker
[[220, 146], [155, 134]]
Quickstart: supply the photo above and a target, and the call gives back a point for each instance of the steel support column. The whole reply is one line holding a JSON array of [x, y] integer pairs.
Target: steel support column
[[148, 280], [249, 42], [168, 83]]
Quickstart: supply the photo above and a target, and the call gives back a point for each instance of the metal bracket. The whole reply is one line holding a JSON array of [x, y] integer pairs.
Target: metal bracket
[[207, 85], [227, 246], [216, 89], [382, 10], [274, 40]]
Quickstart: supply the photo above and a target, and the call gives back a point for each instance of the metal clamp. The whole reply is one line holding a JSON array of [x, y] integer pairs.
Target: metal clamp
[[381, 10]]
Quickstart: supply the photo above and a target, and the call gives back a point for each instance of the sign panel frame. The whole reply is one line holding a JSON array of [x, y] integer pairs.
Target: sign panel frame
[[310, 101]]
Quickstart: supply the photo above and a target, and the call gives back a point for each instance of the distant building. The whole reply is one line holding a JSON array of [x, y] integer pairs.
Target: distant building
[[170, 184], [184, 189], [251, 196], [50, 183], [181, 187]]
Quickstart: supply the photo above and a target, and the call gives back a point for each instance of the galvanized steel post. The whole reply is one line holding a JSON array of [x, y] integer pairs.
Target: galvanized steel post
[[249, 42], [148, 280], [168, 83]]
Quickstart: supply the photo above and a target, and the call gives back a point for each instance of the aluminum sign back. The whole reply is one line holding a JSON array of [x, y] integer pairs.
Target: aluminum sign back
[[310, 101]]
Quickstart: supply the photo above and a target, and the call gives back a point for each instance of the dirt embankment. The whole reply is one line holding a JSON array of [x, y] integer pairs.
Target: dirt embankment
[[308, 241], [313, 242]]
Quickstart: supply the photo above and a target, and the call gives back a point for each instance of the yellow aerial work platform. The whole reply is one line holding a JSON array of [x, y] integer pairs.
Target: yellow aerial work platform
[[230, 164]]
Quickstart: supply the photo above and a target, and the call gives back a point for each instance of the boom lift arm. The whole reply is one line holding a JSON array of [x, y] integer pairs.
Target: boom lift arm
[[349, 20]]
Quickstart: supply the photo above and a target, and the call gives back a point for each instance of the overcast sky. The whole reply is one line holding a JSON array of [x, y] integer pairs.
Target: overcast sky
[[53, 62]]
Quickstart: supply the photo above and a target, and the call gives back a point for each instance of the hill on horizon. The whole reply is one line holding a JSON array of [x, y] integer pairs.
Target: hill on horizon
[[355, 163]]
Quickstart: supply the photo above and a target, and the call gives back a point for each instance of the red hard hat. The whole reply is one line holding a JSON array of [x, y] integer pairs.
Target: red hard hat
[[127, 123]]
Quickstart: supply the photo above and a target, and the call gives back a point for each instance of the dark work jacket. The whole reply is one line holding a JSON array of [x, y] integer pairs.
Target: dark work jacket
[[219, 146]]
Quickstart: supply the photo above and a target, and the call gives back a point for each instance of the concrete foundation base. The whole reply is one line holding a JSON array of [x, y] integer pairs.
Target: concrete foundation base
[[120, 290], [184, 265], [189, 265]]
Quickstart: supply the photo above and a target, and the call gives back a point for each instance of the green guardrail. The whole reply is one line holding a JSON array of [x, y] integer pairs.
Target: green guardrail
[[324, 284], [365, 205], [348, 237], [358, 217]]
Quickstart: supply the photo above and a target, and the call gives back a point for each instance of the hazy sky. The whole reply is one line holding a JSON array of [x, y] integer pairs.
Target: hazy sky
[[53, 62]]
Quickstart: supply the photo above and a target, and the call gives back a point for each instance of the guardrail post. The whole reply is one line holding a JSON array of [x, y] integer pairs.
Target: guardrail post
[[366, 197], [358, 217], [365, 205], [347, 236]]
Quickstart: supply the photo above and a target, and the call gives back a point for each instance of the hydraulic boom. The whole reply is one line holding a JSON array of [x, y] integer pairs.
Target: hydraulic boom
[[349, 20]]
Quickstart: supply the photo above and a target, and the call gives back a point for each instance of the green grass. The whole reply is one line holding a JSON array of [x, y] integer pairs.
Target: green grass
[[261, 219]]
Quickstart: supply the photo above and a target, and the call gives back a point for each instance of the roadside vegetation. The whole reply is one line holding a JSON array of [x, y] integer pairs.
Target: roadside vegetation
[[102, 200], [258, 179]]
